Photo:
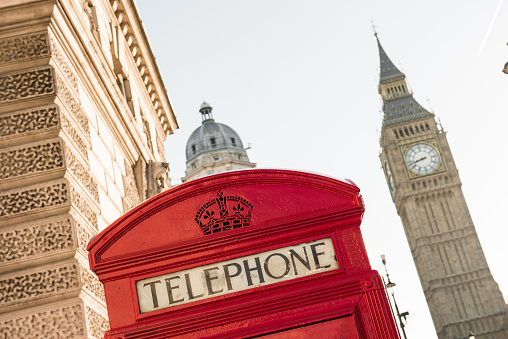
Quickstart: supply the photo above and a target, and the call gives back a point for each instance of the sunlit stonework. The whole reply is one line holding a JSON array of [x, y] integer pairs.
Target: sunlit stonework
[[83, 114]]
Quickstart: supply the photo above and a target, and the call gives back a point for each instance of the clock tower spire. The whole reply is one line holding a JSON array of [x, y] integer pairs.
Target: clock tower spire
[[425, 186]]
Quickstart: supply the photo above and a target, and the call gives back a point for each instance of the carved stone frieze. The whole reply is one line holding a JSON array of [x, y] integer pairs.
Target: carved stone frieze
[[131, 193], [73, 105], [31, 159], [63, 65], [28, 121], [97, 324], [60, 323], [35, 240], [18, 202], [92, 284], [81, 173], [32, 285], [74, 135], [28, 84], [84, 208], [23, 47]]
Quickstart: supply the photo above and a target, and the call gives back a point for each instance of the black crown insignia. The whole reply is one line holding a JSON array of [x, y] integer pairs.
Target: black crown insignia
[[224, 213]]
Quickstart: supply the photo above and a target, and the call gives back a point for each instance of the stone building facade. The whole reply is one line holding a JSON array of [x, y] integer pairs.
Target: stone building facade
[[83, 116], [214, 148], [425, 186]]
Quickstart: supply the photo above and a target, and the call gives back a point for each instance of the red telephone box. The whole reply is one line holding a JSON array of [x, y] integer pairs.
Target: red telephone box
[[253, 253]]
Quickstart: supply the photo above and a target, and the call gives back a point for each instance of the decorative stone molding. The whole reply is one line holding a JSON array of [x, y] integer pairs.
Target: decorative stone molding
[[35, 240], [140, 61], [73, 106], [63, 65], [32, 120], [97, 324], [23, 47], [27, 85], [81, 173], [84, 208], [31, 286], [92, 284], [83, 237], [160, 149], [31, 159], [60, 323], [131, 193], [74, 136], [19, 202]]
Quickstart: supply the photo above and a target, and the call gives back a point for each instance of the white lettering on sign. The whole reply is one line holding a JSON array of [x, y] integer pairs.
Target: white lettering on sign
[[236, 275]]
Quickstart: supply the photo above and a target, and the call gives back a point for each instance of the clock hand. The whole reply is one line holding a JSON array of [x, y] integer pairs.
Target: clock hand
[[420, 159]]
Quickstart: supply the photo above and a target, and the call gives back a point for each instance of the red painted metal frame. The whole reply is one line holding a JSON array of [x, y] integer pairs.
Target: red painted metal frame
[[160, 236]]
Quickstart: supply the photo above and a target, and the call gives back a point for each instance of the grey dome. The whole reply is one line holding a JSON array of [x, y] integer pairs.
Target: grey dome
[[212, 136]]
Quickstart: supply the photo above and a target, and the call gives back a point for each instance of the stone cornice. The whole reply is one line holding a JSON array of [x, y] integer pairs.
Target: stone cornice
[[139, 46]]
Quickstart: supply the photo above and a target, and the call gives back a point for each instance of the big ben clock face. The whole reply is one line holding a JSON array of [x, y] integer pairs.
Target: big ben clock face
[[422, 159]]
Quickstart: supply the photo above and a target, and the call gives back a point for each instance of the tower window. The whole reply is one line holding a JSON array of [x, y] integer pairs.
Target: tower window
[[400, 115], [393, 108], [233, 141], [396, 134], [413, 186], [193, 149], [403, 107], [410, 112], [435, 182], [427, 127], [215, 158], [412, 105], [212, 141], [424, 184]]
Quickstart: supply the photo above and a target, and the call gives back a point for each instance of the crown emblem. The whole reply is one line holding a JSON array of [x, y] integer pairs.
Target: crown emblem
[[224, 213]]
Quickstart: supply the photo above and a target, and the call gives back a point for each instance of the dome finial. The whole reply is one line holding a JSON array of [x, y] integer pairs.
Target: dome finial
[[206, 111]]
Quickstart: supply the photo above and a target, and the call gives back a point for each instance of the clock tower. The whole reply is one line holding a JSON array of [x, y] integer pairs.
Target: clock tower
[[425, 186]]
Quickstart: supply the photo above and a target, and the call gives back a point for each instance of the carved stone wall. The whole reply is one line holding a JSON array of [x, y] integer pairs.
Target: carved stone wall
[[92, 284], [35, 240], [97, 324], [81, 173], [83, 237], [59, 323], [84, 208], [74, 136], [27, 200], [31, 159], [22, 47], [28, 84], [26, 287], [28, 121], [73, 105], [63, 65]]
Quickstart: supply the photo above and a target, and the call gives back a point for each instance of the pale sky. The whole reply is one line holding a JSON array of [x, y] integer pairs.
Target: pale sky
[[298, 80]]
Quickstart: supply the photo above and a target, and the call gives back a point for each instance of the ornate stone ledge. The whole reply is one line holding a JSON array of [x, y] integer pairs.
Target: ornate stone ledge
[[63, 66], [57, 323], [31, 159], [97, 324], [33, 241], [74, 136], [27, 85], [39, 284], [34, 120], [33, 199], [81, 173], [22, 47], [84, 208], [83, 238], [73, 105], [92, 284]]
